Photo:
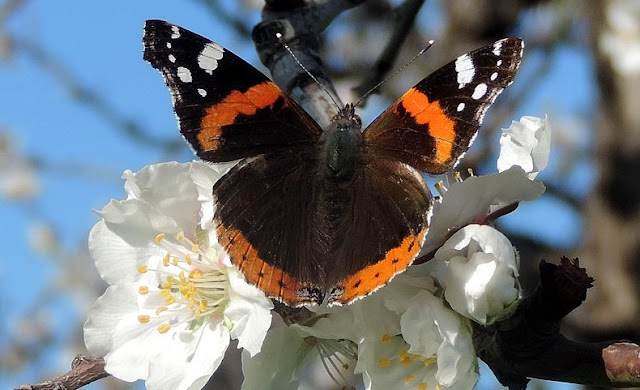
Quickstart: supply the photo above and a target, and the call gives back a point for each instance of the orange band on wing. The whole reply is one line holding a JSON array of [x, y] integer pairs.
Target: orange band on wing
[[273, 281], [370, 278], [236, 103], [441, 127]]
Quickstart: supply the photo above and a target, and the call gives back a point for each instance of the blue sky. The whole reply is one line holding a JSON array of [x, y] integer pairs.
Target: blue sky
[[100, 42]]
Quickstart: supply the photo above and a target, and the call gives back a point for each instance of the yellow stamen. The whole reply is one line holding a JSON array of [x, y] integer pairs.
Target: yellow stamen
[[165, 292], [180, 236], [386, 338], [183, 278], [421, 386], [142, 269], [408, 379], [429, 361], [203, 305], [164, 328], [192, 303], [175, 261], [143, 290], [457, 177], [470, 170], [441, 188], [384, 363], [159, 238], [161, 309], [169, 300], [143, 319], [195, 248], [187, 259], [165, 259], [165, 285]]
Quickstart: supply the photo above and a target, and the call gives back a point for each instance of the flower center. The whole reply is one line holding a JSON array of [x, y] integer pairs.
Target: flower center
[[193, 288], [410, 363]]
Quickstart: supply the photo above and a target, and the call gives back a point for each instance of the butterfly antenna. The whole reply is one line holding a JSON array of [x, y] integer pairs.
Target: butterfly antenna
[[279, 36], [421, 52]]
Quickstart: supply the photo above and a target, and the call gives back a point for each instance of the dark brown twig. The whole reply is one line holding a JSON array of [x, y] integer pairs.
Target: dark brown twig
[[405, 15], [530, 345], [84, 370]]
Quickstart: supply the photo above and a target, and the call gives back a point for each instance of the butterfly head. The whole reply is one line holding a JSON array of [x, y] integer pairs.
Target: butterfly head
[[347, 120]]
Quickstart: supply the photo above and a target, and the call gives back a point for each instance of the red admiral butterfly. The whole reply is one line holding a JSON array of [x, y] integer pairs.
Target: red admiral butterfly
[[307, 213]]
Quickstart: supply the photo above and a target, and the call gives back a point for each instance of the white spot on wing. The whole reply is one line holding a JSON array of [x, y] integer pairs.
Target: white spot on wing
[[479, 91], [202, 92], [460, 107], [465, 70], [494, 76], [499, 63], [172, 58], [168, 45], [209, 57], [184, 74], [175, 32], [497, 48]]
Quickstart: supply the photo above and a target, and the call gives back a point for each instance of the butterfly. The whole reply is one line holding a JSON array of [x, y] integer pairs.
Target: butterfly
[[312, 215]]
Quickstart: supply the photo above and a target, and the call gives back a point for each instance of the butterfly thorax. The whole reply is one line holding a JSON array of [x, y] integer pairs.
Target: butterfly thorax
[[340, 146], [340, 156]]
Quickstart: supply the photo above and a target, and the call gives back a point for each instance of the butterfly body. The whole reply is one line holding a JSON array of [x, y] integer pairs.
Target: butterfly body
[[313, 215]]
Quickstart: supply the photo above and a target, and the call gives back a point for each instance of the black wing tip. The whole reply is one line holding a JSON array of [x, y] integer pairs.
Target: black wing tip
[[512, 43], [152, 25], [156, 33]]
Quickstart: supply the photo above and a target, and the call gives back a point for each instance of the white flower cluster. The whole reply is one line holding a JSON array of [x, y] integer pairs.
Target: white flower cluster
[[175, 301]]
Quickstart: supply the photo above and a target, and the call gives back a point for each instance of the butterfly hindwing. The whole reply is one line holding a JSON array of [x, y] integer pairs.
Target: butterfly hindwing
[[301, 239], [432, 125], [224, 116]]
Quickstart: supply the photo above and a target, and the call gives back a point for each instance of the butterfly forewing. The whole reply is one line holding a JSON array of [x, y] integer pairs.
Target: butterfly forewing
[[433, 124], [222, 115]]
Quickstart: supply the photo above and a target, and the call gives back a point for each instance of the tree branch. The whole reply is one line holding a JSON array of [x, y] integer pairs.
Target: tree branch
[[405, 14], [530, 345], [85, 95], [300, 23], [84, 370]]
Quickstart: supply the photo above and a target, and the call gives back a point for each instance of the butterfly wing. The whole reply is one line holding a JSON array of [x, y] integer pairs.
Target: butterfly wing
[[265, 222], [432, 125], [226, 108], [386, 223]]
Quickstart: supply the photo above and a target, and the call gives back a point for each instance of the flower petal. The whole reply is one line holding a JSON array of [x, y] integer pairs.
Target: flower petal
[[525, 143], [476, 197], [204, 176], [432, 329], [125, 239], [113, 331], [284, 355], [189, 360], [249, 311], [169, 187], [481, 276]]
